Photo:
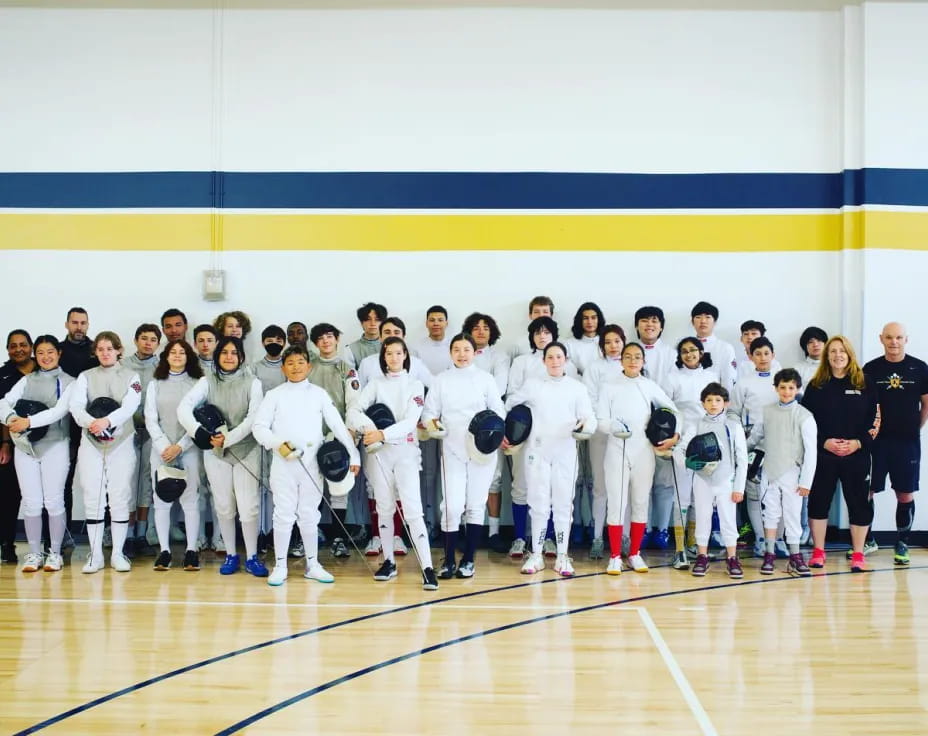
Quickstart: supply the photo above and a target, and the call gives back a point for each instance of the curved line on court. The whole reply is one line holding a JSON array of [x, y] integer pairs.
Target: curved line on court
[[506, 627], [289, 637]]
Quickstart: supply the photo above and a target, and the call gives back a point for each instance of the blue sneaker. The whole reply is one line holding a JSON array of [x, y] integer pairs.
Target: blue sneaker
[[661, 539], [646, 540], [256, 567], [230, 565]]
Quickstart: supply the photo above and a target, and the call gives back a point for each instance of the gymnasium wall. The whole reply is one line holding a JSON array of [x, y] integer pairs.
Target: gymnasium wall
[[769, 157]]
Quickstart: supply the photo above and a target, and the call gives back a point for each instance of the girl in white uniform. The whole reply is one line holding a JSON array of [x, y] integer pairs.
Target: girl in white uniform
[[601, 371], [43, 468], [623, 409], [232, 464], [560, 408], [175, 375], [457, 394], [106, 456], [394, 469], [289, 424]]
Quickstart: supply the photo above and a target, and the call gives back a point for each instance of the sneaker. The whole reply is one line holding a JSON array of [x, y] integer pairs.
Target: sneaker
[[230, 565], [597, 549], [858, 563], [93, 564], [35, 561], [164, 561], [615, 565], [202, 544], [734, 568], [315, 571], [278, 575], [256, 567], [900, 554], [119, 562], [797, 566], [429, 579], [220, 546], [297, 550], [447, 570], [870, 546], [767, 567], [781, 550], [637, 563], [386, 572], [563, 566], [373, 547], [760, 548], [497, 544], [107, 538], [399, 547], [549, 548], [130, 548], [647, 540], [339, 548], [53, 562], [535, 562], [151, 536], [680, 562], [177, 534], [465, 570], [660, 540], [191, 560], [818, 558], [700, 566], [517, 550]]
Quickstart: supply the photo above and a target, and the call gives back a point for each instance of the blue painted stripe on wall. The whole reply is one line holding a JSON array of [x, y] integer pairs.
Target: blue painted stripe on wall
[[462, 190]]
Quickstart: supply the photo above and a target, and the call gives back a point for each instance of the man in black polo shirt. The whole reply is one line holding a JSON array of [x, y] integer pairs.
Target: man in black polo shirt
[[901, 383]]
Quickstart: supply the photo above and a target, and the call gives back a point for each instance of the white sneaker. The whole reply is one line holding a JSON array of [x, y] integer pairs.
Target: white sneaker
[[534, 563], [315, 571], [550, 548], [278, 575], [615, 565], [33, 562], [517, 550], [563, 566], [399, 547], [53, 562], [94, 564], [119, 563], [373, 547], [637, 563]]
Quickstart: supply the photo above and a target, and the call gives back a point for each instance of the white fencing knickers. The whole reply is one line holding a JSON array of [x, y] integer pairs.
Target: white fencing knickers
[[394, 473], [704, 496], [296, 487], [551, 474], [189, 500], [630, 484], [467, 485], [42, 480], [234, 488], [106, 478], [780, 499]]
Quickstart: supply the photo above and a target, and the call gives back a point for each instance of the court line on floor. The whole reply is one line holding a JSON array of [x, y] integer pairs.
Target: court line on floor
[[689, 695], [270, 710], [289, 637]]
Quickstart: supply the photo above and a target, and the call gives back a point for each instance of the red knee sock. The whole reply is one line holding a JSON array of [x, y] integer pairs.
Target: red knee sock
[[637, 534], [615, 539]]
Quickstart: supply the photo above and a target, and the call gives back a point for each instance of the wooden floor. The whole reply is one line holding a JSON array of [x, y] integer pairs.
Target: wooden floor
[[651, 654]]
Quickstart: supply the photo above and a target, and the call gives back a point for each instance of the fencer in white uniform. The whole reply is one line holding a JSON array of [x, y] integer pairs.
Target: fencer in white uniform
[[704, 316], [106, 457], [42, 466], [393, 469], [456, 396], [232, 463], [658, 356], [289, 424], [583, 345], [561, 414], [623, 409]]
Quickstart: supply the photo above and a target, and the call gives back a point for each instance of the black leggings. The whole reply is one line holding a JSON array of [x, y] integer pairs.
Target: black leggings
[[9, 503], [854, 473]]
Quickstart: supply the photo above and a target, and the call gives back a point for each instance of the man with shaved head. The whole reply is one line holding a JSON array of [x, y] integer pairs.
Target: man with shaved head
[[901, 383]]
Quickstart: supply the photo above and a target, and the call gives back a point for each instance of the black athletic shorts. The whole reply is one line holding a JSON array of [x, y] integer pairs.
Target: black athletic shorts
[[899, 459]]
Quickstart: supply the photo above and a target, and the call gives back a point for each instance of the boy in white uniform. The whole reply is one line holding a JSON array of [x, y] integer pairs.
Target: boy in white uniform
[[204, 342], [750, 330], [704, 316]]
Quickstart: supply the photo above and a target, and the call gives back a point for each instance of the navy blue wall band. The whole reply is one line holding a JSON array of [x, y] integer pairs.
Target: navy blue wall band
[[462, 190]]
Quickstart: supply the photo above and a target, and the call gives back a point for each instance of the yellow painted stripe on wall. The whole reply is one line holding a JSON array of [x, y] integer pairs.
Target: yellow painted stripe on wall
[[464, 232]]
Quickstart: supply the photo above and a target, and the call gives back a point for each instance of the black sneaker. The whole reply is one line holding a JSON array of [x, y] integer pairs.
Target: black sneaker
[[8, 553], [129, 549], [387, 570], [164, 561], [497, 544], [465, 570], [429, 579], [191, 560], [447, 570]]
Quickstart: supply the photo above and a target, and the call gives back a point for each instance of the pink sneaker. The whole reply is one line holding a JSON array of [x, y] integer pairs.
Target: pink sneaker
[[818, 558]]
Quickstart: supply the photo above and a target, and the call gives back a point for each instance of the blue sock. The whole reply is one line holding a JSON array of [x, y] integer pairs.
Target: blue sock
[[451, 541], [473, 536], [519, 519], [550, 533]]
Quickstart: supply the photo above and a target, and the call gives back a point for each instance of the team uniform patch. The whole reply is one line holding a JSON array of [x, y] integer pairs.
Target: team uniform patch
[[137, 387], [355, 386], [418, 400]]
